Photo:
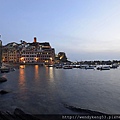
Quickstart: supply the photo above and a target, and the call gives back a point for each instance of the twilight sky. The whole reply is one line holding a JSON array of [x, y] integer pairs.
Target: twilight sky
[[83, 29]]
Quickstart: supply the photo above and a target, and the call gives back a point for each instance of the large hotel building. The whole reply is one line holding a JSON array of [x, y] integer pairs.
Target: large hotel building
[[24, 52]]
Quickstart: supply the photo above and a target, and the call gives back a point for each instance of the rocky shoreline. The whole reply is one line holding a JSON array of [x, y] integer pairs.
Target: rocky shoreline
[[20, 115]]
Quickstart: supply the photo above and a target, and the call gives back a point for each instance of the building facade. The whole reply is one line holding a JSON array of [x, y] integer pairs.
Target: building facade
[[29, 52]]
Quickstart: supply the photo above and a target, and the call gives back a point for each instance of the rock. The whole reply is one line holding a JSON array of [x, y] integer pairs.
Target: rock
[[18, 111], [84, 111], [3, 79], [3, 92], [23, 116]]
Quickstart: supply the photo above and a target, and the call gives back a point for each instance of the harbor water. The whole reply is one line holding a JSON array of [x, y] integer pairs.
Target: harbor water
[[44, 90]]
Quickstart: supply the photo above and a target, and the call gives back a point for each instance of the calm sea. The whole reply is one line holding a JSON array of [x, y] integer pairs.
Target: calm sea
[[45, 90]]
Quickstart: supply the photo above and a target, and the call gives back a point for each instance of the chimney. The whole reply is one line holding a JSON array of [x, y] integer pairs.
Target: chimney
[[35, 39]]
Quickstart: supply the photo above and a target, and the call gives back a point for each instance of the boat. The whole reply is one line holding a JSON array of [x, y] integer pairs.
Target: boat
[[50, 66], [114, 66], [67, 67], [90, 67], [103, 68], [83, 66], [59, 66], [75, 66], [4, 69]]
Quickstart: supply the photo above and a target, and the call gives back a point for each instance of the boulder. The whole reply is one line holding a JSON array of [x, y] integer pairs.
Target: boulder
[[18, 111], [3, 79], [3, 92]]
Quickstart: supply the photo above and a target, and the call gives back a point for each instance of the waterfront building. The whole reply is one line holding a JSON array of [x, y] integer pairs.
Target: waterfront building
[[29, 52], [10, 53]]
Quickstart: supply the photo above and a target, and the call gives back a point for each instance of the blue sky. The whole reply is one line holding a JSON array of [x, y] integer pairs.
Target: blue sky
[[83, 29]]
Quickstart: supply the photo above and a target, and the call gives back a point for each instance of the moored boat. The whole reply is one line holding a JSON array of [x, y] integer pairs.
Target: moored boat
[[59, 66], [103, 68], [83, 66], [114, 66], [90, 67], [4, 69], [67, 67], [50, 66]]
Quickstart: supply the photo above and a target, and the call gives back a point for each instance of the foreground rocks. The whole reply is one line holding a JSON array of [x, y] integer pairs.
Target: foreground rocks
[[20, 115], [3, 79], [3, 92]]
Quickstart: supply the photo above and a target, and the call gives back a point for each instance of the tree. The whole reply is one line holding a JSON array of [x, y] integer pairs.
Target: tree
[[21, 41]]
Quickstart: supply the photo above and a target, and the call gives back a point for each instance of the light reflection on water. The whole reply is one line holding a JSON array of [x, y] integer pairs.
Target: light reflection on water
[[38, 89], [36, 72], [22, 78], [51, 74]]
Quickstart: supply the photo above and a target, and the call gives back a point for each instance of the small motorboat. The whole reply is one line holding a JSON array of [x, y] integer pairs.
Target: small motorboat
[[59, 66], [83, 66], [4, 69], [114, 66], [90, 67], [67, 67], [103, 68]]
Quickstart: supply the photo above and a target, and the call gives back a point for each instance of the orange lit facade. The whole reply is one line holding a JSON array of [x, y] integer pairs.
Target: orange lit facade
[[10, 56], [45, 56]]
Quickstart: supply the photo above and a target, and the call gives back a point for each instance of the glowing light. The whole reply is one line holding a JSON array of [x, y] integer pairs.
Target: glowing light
[[60, 57], [22, 66], [51, 58], [36, 72], [46, 60], [36, 58], [22, 58]]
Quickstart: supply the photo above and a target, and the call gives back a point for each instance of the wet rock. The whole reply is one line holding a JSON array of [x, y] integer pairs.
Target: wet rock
[[84, 111], [3, 92], [23, 116], [3, 79], [18, 111]]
